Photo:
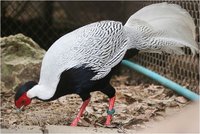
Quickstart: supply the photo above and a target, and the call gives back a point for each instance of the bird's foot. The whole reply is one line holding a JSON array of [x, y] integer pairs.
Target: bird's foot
[[109, 117], [107, 123], [108, 120], [75, 122], [82, 109]]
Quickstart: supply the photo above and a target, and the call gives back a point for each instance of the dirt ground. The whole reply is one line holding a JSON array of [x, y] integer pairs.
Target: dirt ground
[[135, 106]]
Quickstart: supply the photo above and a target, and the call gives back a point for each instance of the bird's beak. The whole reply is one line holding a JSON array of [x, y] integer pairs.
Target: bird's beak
[[20, 109]]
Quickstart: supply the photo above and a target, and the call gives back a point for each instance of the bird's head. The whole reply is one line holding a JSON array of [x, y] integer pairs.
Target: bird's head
[[21, 98]]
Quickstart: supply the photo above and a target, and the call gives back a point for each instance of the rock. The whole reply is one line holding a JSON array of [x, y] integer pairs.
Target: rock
[[21, 61]]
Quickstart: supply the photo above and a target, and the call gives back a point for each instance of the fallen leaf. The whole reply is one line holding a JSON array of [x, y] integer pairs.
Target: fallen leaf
[[89, 110], [12, 121], [181, 99]]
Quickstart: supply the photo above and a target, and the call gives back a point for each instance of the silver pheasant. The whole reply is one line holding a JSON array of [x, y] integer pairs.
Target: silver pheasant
[[83, 61], [102, 45]]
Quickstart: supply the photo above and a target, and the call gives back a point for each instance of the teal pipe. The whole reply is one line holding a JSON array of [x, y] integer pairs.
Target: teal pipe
[[162, 80]]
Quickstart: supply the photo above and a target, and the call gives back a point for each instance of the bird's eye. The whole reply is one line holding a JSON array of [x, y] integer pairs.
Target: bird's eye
[[23, 101]]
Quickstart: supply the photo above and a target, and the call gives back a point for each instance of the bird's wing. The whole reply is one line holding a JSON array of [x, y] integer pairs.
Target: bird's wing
[[104, 47], [99, 46]]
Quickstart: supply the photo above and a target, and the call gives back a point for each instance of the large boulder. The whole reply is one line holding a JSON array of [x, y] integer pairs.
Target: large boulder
[[20, 61]]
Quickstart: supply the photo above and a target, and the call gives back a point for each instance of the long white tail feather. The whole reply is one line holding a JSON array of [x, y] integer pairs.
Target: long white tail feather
[[164, 26]]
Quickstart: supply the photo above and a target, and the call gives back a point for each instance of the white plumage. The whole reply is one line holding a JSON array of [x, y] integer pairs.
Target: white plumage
[[102, 45], [99, 45], [162, 28]]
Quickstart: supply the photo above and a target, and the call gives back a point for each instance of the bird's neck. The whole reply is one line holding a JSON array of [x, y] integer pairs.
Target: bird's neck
[[41, 92]]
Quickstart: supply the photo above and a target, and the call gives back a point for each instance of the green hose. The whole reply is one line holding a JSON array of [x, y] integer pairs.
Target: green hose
[[162, 80]]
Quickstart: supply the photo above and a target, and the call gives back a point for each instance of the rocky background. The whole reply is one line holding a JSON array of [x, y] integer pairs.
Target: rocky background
[[20, 61], [139, 101]]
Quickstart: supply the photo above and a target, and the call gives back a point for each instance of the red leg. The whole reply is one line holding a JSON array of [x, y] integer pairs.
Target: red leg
[[82, 109], [110, 111]]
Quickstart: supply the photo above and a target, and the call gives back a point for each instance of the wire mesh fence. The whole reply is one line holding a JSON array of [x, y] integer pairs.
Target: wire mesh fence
[[47, 21], [181, 69]]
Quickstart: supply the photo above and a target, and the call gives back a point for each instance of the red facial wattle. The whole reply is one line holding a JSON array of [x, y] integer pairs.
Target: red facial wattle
[[22, 101]]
